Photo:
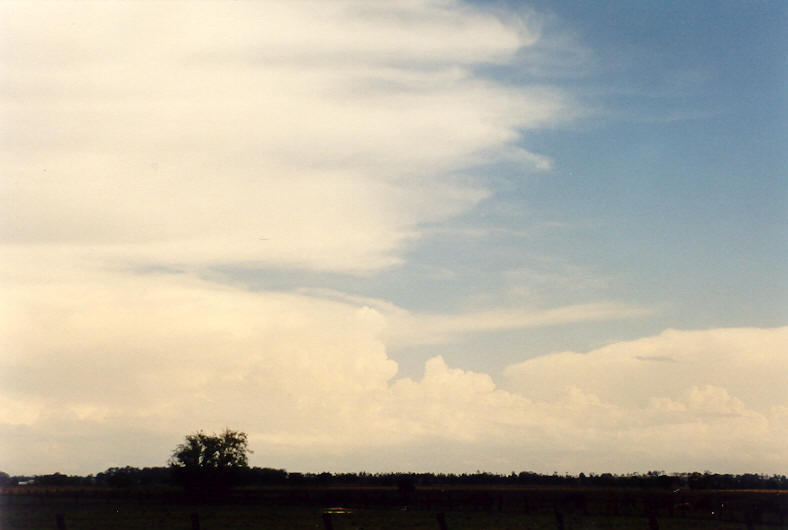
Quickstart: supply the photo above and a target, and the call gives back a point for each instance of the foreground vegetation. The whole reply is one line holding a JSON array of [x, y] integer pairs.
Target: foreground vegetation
[[463, 508], [210, 486], [124, 477]]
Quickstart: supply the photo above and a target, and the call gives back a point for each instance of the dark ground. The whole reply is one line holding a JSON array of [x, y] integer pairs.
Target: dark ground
[[464, 508]]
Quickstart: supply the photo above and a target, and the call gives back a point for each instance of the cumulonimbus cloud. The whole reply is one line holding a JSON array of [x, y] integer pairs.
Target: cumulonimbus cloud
[[320, 136], [123, 357]]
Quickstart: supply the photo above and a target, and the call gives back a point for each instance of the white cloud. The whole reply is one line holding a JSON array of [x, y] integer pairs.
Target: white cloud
[[186, 132], [132, 363], [183, 134], [408, 328], [680, 400], [748, 363]]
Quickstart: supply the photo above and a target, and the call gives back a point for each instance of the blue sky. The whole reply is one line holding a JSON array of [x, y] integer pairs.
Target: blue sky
[[403, 236], [669, 191]]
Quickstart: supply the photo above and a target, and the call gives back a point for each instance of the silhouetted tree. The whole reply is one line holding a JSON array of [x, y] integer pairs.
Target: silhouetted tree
[[208, 465], [6, 480]]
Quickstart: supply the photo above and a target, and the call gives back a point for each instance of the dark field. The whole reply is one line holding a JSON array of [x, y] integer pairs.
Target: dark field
[[490, 508]]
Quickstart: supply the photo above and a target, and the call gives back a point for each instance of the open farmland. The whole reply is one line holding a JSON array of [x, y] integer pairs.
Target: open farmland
[[490, 508]]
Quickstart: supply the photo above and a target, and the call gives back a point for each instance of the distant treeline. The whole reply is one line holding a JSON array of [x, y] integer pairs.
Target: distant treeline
[[124, 477]]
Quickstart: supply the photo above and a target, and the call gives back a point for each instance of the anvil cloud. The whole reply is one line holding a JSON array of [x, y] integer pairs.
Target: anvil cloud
[[156, 156]]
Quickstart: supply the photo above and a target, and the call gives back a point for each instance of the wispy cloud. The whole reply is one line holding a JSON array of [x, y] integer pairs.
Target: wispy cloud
[[407, 329], [411, 328], [255, 118]]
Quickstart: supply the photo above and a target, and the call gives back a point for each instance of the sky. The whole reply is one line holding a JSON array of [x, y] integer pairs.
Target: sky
[[424, 235]]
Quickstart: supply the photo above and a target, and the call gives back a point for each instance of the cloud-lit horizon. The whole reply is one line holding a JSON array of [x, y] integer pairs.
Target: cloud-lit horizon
[[426, 235]]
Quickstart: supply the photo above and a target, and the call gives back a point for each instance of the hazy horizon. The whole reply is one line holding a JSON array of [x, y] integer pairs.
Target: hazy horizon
[[428, 235]]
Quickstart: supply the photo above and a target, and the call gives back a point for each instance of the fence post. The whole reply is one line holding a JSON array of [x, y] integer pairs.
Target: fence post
[[652, 522], [61, 521], [442, 521], [327, 521], [195, 521]]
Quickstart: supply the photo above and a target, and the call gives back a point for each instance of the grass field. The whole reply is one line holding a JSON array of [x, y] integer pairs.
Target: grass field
[[37, 510]]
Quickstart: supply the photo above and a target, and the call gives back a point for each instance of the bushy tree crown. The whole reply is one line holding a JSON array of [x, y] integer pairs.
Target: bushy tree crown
[[209, 465], [227, 450]]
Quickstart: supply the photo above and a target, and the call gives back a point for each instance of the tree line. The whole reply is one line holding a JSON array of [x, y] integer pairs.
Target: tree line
[[128, 476], [209, 465]]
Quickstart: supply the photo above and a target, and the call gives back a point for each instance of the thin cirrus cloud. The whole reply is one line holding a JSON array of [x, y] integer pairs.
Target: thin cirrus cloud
[[408, 329], [197, 129], [412, 328]]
